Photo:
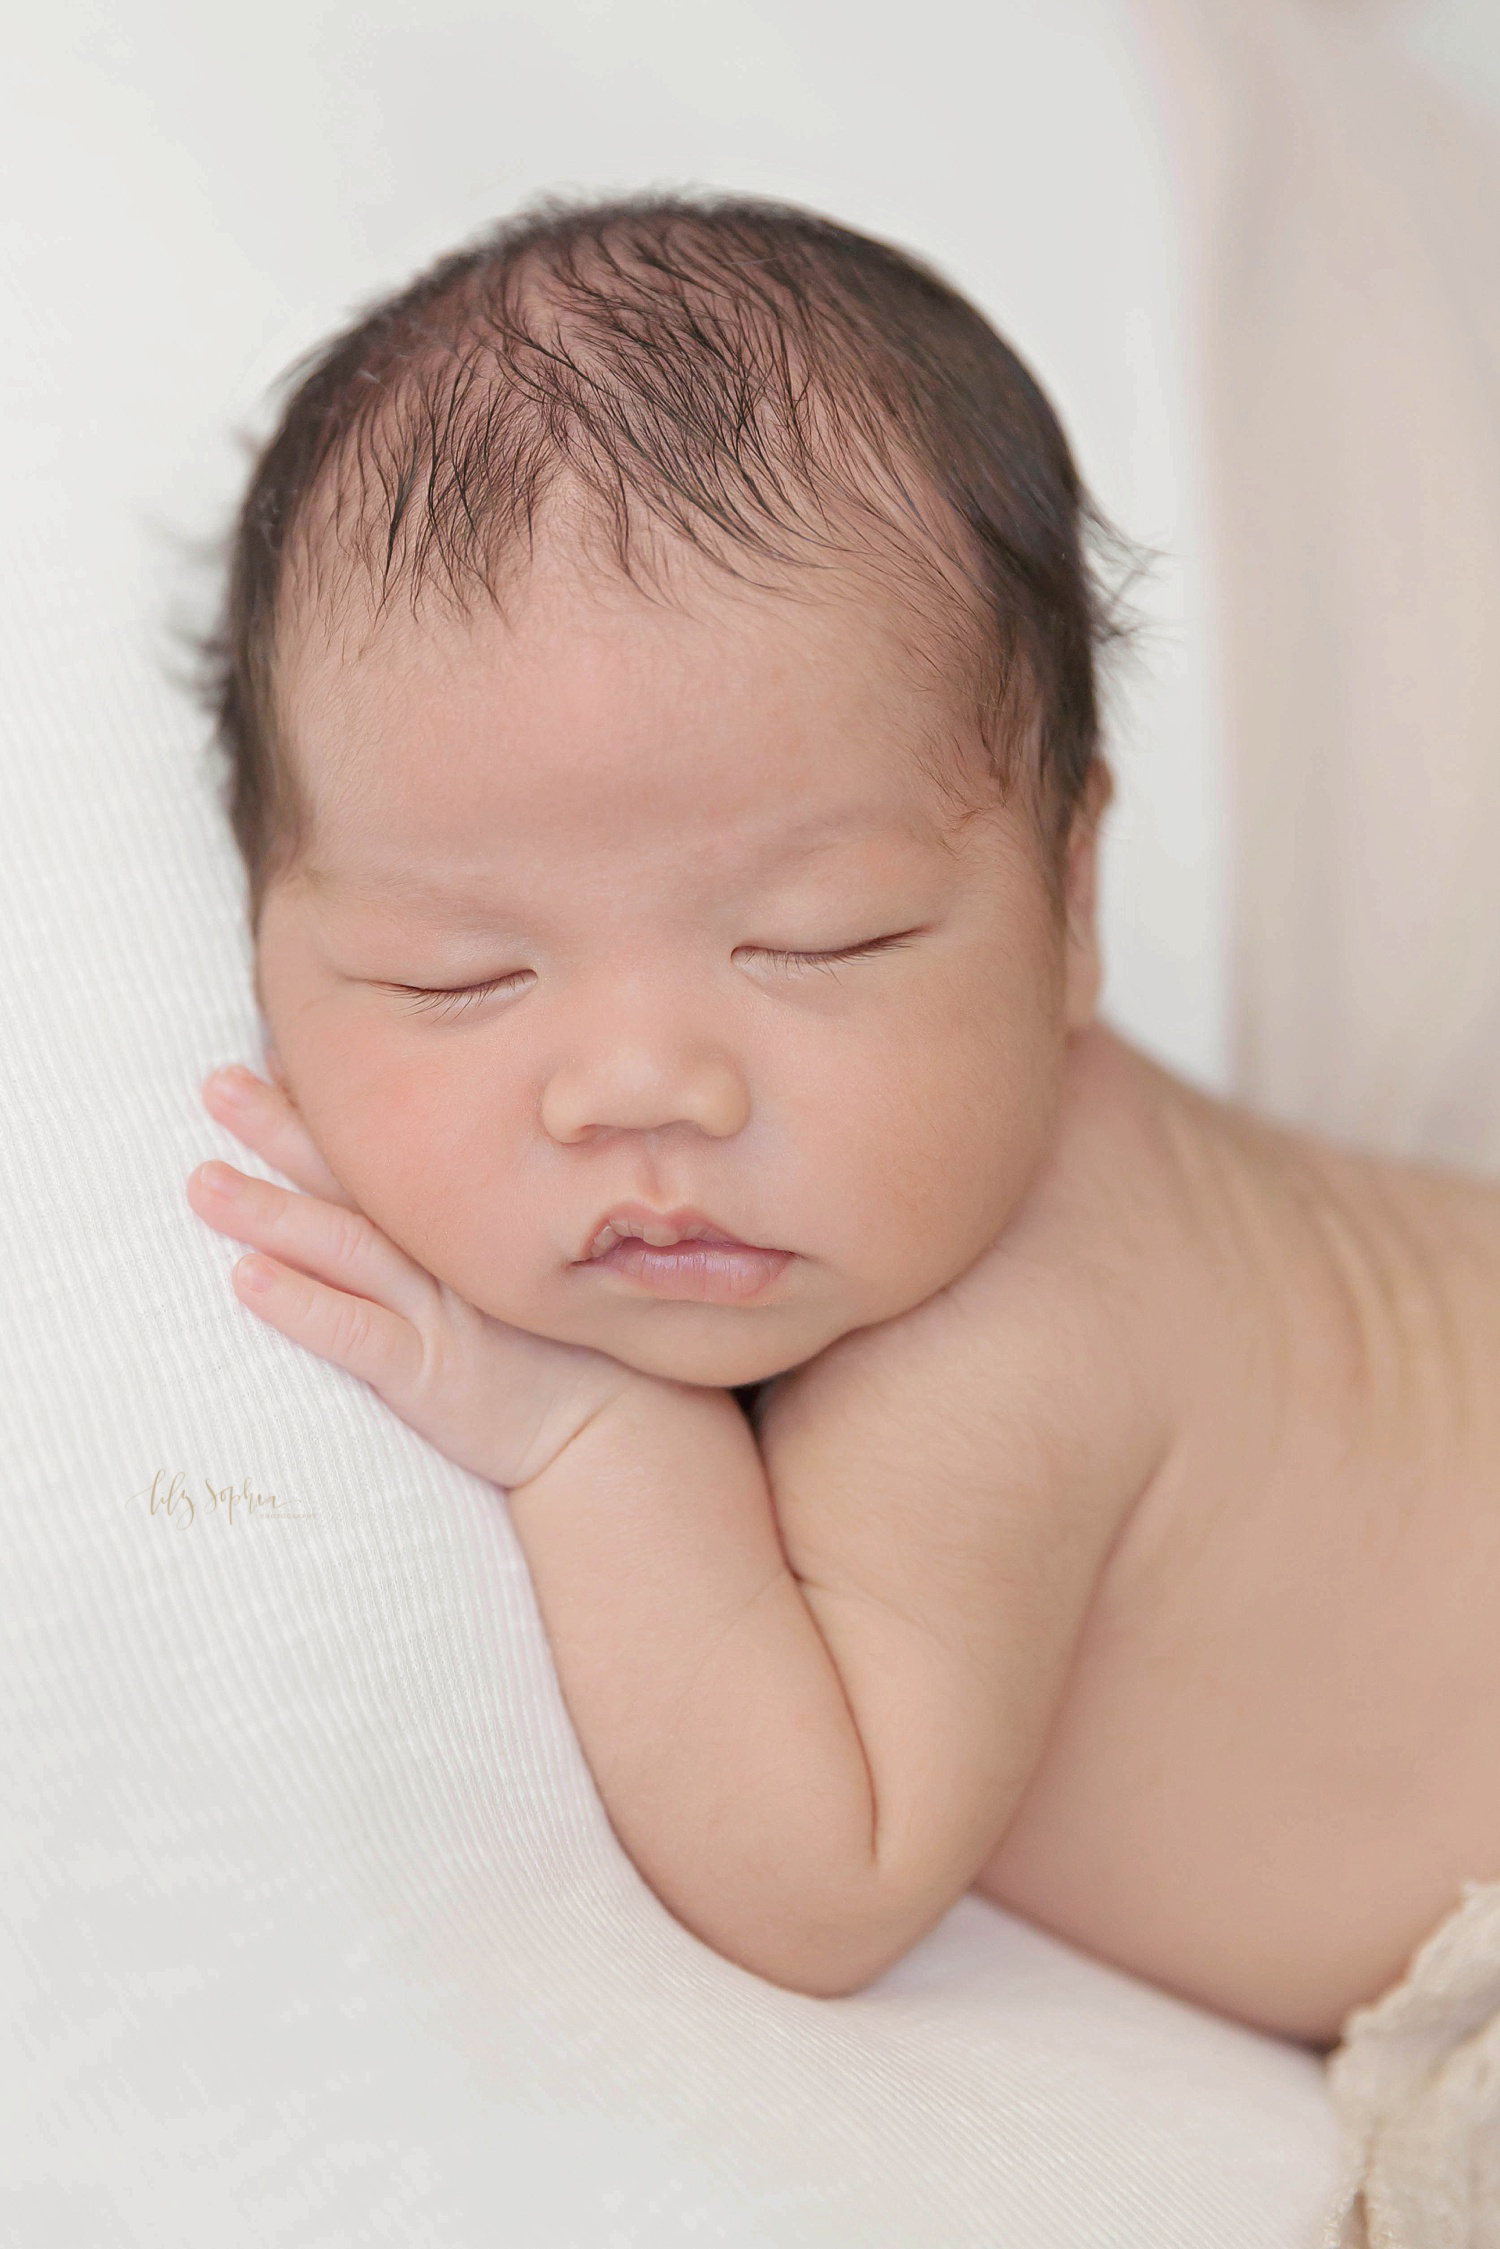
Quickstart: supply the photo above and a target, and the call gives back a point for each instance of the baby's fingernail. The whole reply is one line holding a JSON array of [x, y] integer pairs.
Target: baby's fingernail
[[218, 1179], [231, 1083], [254, 1273]]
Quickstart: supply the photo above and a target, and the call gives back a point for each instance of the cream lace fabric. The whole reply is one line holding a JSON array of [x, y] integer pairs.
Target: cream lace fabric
[[1417, 2084]]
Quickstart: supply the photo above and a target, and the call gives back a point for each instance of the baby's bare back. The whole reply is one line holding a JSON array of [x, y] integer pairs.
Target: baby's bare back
[[1277, 1756]]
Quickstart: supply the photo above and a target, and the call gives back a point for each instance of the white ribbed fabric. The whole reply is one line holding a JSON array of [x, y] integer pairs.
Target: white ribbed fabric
[[314, 1929]]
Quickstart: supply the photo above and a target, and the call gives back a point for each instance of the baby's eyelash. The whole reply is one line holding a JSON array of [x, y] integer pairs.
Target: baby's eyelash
[[427, 1001], [450, 1000], [845, 952]]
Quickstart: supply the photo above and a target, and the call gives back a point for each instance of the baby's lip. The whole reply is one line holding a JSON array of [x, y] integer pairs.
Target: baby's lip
[[661, 1228]]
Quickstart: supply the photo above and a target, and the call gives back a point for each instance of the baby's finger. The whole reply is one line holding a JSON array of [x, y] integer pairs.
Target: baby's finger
[[329, 1242], [262, 1116], [352, 1332]]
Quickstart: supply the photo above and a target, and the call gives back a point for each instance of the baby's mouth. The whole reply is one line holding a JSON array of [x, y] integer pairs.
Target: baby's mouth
[[682, 1254]]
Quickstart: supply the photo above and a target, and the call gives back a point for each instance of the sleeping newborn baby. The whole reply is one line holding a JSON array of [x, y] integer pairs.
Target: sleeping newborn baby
[[658, 682]]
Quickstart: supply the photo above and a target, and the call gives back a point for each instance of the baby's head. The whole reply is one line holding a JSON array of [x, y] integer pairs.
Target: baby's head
[[657, 678]]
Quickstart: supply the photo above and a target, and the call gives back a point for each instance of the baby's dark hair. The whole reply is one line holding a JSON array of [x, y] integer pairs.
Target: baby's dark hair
[[767, 386]]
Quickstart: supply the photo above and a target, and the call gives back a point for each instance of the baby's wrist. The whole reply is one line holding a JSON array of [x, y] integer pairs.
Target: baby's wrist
[[628, 1403], [596, 1397]]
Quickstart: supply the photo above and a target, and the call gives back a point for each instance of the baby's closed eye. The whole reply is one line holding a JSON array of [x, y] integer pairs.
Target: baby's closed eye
[[795, 957], [454, 999]]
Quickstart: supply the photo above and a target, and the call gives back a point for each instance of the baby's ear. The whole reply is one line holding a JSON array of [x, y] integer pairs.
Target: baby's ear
[[1080, 889]]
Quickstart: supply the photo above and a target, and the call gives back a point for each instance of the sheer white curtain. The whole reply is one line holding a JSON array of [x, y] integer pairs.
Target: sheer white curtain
[[1343, 221]]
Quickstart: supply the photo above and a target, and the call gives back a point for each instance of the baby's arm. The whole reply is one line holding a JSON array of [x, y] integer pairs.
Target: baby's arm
[[812, 1686], [811, 1677]]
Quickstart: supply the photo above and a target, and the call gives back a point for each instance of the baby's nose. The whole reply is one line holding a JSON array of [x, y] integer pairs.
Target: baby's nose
[[634, 1086]]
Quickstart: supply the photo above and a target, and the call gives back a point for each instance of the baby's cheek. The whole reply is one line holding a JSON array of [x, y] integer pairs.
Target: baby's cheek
[[951, 1134], [442, 1164], [401, 1131]]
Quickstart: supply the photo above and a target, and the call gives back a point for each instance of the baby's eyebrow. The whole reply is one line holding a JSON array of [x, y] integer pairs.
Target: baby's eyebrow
[[409, 887], [801, 840]]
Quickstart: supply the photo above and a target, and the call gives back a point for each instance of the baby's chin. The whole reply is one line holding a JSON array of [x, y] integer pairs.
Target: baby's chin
[[711, 1346], [714, 1356]]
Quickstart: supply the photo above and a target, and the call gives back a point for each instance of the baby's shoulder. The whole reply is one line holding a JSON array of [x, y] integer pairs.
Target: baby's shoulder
[[1204, 1240]]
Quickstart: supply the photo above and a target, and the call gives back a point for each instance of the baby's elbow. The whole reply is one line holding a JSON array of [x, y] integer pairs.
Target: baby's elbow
[[829, 1979], [824, 1963]]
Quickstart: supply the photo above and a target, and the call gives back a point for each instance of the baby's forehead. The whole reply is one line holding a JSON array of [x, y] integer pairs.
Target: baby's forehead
[[795, 708]]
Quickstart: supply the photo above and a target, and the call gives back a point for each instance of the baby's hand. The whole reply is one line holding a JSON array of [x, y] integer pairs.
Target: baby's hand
[[496, 1399]]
